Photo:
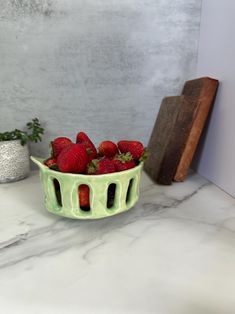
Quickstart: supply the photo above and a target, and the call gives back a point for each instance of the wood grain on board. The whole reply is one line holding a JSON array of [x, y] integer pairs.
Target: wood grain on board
[[168, 136], [178, 137], [202, 91]]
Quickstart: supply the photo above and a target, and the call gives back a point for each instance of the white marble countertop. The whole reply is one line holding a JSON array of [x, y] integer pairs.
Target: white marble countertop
[[174, 252]]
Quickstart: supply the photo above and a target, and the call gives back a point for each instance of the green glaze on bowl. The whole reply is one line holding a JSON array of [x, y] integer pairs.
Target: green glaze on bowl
[[98, 184]]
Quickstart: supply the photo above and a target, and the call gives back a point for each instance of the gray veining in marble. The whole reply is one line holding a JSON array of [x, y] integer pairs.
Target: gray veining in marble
[[174, 252], [99, 66]]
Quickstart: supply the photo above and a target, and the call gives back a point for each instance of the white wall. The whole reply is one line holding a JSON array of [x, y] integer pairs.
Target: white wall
[[216, 156], [101, 66]]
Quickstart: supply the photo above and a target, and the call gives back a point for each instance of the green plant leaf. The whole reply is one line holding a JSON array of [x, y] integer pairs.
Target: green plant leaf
[[36, 133]]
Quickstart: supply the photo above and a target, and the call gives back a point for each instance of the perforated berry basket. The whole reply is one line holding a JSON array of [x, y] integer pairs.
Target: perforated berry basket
[[109, 194]]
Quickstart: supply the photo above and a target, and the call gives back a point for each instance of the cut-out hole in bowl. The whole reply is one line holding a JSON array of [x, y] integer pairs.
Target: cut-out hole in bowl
[[56, 184], [84, 197], [111, 195], [128, 194]]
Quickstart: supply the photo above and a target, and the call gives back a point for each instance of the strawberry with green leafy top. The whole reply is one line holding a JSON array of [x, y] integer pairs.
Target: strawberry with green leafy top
[[136, 149], [123, 162], [107, 149], [101, 166], [82, 156]]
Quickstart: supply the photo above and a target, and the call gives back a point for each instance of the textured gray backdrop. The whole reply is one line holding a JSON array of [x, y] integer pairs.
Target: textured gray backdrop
[[101, 66]]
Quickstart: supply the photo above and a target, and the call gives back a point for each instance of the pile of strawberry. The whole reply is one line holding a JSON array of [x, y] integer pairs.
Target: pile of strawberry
[[83, 157]]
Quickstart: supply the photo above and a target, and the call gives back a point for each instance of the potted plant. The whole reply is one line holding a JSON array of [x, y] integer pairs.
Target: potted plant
[[14, 152]]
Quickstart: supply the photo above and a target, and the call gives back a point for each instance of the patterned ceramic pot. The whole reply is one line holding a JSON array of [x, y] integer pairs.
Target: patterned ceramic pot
[[14, 161], [61, 192]]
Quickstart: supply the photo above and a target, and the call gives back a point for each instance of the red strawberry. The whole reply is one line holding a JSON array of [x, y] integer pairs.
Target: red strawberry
[[73, 158], [84, 198], [82, 138], [59, 144], [124, 162], [101, 166], [107, 149], [50, 162], [134, 147], [90, 149]]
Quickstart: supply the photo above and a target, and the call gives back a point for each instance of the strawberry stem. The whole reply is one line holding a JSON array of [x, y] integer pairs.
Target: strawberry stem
[[124, 157], [145, 155], [92, 166]]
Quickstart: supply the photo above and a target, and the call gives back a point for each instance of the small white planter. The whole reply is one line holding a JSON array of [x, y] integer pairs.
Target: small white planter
[[14, 161]]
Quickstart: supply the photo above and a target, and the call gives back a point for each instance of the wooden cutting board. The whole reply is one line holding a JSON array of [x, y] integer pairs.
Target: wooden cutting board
[[178, 137], [203, 93], [168, 137], [161, 133]]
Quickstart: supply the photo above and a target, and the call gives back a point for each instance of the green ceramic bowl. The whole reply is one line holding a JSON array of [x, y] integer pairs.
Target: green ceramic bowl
[[110, 194]]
